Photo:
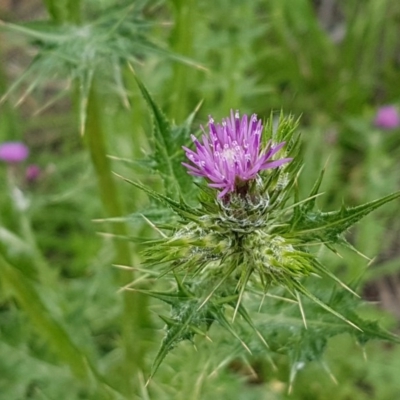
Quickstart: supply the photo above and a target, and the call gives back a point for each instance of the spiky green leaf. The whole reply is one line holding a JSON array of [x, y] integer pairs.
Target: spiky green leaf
[[328, 226], [168, 142]]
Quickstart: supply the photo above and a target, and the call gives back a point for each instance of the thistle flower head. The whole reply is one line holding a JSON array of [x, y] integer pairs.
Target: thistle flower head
[[387, 117], [231, 154], [13, 152], [32, 172]]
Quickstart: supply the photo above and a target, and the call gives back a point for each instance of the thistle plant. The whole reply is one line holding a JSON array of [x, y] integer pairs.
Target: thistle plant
[[247, 234]]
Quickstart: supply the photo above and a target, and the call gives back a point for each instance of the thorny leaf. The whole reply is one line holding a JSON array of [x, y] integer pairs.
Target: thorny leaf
[[168, 141]]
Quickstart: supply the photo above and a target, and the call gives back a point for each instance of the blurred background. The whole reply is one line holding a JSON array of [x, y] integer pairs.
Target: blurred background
[[68, 93]]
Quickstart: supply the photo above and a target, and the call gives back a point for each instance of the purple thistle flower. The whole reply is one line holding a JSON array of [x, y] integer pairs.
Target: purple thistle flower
[[13, 152], [32, 172], [231, 154], [387, 117]]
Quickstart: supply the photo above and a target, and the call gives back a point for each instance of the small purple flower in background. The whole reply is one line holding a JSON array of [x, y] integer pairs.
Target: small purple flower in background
[[387, 118], [32, 173], [231, 153], [13, 152]]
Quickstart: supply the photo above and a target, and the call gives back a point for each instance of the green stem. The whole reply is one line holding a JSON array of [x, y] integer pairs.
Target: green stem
[[54, 9], [46, 274], [62, 11], [74, 11], [134, 311], [182, 43]]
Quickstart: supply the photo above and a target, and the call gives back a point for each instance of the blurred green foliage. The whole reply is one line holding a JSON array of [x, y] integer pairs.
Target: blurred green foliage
[[65, 330]]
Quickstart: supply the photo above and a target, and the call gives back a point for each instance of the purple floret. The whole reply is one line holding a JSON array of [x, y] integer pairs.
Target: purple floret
[[230, 153]]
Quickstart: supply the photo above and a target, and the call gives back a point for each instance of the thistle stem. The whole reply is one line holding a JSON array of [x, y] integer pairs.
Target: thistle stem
[[134, 309], [182, 43], [61, 11], [45, 273]]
